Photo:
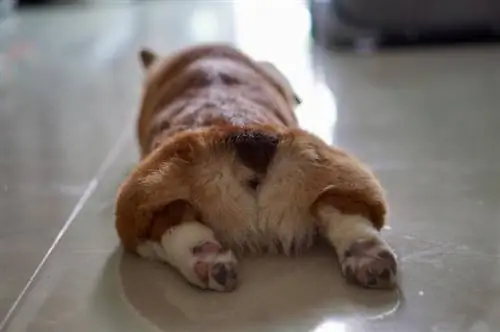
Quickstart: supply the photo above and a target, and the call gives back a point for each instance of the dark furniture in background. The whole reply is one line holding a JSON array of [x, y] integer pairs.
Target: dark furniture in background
[[344, 22]]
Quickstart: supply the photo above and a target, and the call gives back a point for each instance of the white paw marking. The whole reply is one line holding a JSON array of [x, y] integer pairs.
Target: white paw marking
[[370, 263], [192, 249], [213, 267]]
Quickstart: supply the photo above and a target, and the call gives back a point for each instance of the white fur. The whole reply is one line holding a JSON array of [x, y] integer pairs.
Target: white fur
[[274, 217], [176, 248], [176, 243], [151, 250], [342, 230], [233, 212]]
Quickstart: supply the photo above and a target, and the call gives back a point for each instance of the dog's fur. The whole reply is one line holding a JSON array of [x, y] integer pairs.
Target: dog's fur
[[221, 146]]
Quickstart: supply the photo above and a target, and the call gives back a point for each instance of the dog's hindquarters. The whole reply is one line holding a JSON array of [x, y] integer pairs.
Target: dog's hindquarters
[[210, 195]]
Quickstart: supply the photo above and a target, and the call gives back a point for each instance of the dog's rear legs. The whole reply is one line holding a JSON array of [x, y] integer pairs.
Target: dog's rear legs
[[364, 256], [192, 249]]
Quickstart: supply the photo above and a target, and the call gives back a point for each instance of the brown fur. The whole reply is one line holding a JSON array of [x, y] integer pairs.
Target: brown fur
[[220, 144], [209, 85]]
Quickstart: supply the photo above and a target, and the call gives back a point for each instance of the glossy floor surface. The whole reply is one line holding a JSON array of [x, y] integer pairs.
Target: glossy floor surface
[[425, 120]]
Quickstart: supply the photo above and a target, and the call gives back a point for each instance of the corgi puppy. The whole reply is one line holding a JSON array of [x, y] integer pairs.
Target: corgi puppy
[[225, 169]]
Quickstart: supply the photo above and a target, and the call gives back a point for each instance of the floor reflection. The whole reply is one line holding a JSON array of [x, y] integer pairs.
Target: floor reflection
[[275, 293]]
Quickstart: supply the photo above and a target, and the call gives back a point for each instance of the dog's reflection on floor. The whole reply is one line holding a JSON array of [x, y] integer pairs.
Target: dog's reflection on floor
[[276, 293]]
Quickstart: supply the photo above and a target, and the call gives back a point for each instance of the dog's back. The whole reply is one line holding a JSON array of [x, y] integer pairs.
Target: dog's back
[[206, 86]]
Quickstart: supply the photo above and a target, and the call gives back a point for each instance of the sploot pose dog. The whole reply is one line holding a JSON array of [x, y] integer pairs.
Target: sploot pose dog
[[226, 169]]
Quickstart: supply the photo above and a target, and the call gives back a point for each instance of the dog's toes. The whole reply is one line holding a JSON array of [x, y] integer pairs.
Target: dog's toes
[[223, 276], [371, 264], [215, 268]]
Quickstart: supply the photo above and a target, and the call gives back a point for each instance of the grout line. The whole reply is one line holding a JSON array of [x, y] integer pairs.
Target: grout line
[[91, 187]]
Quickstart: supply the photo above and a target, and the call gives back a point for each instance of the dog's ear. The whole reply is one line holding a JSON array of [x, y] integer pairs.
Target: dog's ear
[[278, 75], [147, 57]]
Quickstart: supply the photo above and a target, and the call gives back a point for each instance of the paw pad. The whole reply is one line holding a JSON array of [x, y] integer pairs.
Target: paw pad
[[214, 267], [370, 263]]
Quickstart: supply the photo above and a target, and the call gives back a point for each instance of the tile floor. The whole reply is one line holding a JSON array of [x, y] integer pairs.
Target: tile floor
[[426, 120]]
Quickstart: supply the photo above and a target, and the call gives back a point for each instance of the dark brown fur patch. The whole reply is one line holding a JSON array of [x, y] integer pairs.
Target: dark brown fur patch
[[229, 79], [147, 57], [253, 183], [172, 214], [352, 203], [255, 149]]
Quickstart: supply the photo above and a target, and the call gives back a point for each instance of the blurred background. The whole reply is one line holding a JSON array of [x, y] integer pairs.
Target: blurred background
[[411, 87]]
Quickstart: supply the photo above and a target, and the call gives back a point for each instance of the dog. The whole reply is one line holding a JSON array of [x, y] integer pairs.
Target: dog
[[225, 169]]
